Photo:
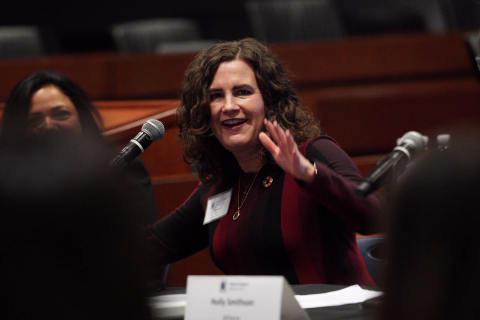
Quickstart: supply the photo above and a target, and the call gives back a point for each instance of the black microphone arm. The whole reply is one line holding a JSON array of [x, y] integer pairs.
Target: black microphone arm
[[152, 130], [407, 146]]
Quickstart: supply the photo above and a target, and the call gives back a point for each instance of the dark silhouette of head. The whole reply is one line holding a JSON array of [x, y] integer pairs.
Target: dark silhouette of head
[[69, 243], [433, 257]]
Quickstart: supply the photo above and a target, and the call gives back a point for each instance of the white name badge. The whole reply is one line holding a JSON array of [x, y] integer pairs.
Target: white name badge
[[241, 298], [217, 206]]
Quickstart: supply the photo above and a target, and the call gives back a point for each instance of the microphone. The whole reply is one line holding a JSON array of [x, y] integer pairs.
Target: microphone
[[443, 141], [152, 130], [410, 143]]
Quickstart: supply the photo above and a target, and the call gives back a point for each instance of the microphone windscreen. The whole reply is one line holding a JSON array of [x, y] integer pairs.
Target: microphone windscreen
[[154, 129], [413, 140]]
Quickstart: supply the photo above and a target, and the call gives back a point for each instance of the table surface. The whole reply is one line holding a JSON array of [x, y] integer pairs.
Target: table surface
[[355, 311]]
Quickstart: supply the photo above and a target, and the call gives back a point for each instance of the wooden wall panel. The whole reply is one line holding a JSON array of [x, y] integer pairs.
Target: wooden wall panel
[[106, 76], [368, 119], [374, 59], [110, 76]]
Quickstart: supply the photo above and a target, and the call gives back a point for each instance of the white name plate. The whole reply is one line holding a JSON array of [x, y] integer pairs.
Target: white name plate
[[241, 298]]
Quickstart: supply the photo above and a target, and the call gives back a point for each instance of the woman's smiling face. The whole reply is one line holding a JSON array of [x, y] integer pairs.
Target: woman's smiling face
[[236, 107], [51, 111]]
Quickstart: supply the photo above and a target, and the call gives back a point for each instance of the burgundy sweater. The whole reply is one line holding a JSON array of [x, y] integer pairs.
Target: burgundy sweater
[[305, 232]]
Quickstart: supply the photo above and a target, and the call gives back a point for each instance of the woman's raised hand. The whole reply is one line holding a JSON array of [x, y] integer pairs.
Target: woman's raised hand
[[285, 152]]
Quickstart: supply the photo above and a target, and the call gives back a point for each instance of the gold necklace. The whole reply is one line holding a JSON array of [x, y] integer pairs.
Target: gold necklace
[[240, 204]]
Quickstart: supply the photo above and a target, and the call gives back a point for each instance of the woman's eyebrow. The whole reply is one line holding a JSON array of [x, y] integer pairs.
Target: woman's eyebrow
[[240, 86], [244, 86], [38, 113], [60, 106]]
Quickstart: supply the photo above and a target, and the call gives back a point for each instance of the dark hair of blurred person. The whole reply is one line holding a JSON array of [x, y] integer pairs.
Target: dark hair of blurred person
[[70, 248], [433, 245], [47, 100]]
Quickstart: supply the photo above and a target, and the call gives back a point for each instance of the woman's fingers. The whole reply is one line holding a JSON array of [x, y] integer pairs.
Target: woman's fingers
[[283, 140], [292, 146], [268, 144], [285, 152], [271, 128], [281, 135]]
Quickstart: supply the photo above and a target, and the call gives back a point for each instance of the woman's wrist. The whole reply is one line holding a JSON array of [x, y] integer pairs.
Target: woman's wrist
[[309, 172]]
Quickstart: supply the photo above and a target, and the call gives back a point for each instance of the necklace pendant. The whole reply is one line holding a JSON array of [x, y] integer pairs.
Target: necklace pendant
[[236, 215]]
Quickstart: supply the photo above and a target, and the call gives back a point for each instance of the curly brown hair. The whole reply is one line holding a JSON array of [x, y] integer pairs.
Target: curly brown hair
[[201, 148]]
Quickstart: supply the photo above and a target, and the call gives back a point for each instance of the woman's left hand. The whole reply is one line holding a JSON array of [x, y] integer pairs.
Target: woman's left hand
[[285, 152]]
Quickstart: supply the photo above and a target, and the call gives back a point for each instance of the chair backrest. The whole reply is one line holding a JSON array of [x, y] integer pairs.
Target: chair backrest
[[148, 35], [373, 253], [389, 16], [20, 42], [183, 46], [294, 20], [465, 14]]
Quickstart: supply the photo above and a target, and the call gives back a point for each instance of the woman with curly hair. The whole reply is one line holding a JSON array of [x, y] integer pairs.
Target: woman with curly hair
[[276, 197]]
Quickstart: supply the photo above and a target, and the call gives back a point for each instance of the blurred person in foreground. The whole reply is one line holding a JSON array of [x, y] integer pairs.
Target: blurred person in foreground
[[433, 257], [276, 197], [46, 102], [69, 245]]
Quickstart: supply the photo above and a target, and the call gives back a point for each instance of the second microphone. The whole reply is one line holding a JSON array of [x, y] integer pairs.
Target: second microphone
[[152, 130]]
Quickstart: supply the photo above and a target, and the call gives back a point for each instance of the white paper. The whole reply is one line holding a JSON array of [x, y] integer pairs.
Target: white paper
[[291, 309], [352, 294], [168, 306]]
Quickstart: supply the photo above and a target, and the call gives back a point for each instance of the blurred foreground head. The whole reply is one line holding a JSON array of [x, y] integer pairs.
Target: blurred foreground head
[[434, 257], [69, 247]]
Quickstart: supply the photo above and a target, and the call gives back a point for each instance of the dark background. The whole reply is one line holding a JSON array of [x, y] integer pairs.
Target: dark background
[[84, 26], [78, 26]]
